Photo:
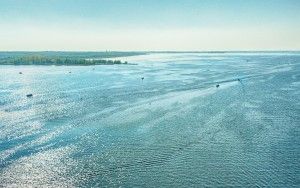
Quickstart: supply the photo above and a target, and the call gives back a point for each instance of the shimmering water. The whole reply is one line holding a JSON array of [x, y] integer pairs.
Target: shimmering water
[[104, 126]]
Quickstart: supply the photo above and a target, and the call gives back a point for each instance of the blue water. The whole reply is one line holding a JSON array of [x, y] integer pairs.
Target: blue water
[[103, 126]]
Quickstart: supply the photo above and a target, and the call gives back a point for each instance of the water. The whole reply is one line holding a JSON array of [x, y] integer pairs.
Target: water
[[108, 128]]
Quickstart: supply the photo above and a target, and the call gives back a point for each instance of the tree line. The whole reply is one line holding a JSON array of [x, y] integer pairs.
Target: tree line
[[41, 60]]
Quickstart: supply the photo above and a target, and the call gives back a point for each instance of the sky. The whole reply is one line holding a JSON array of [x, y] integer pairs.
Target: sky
[[155, 25]]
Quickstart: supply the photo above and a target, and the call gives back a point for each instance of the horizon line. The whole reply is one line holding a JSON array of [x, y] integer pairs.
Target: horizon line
[[154, 51]]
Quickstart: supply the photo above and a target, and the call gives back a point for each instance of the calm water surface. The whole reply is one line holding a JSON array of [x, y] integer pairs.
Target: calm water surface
[[104, 126]]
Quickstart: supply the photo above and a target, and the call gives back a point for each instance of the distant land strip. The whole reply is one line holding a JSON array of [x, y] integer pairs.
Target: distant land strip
[[63, 58], [38, 60]]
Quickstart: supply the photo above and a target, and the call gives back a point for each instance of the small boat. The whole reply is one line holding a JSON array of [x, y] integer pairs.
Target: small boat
[[20, 73], [217, 85], [142, 78], [29, 95]]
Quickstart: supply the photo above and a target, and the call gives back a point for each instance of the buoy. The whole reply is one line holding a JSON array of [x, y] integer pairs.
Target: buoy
[[29, 95], [142, 78]]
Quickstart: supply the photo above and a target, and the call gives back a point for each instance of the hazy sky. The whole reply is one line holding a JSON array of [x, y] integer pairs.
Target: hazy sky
[[96, 25]]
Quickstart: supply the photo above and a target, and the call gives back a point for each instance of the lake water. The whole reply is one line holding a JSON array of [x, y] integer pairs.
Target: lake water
[[103, 126]]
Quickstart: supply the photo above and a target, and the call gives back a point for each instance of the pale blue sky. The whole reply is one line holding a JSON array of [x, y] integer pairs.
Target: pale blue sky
[[149, 25]]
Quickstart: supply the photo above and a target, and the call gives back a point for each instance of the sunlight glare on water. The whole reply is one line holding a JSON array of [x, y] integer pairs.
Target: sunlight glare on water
[[108, 127]]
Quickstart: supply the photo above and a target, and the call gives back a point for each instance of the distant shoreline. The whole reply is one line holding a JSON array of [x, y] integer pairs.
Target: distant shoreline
[[40, 60], [64, 58]]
